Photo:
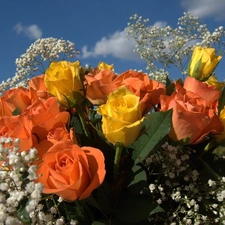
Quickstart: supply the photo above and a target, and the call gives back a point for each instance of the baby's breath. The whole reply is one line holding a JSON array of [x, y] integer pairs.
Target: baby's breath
[[164, 46], [36, 59], [19, 192], [180, 190]]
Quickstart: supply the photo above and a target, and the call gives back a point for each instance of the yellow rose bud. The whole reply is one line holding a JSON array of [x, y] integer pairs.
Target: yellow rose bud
[[203, 62], [103, 66], [221, 137], [62, 80], [212, 81], [121, 117]]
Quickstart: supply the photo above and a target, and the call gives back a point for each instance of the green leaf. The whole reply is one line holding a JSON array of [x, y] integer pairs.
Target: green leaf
[[158, 209], [170, 87], [207, 172], [137, 180], [22, 212], [102, 199], [168, 81], [158, 125], [133, 209], [221, 103], [103, 222], [76, 124], [16, 112]]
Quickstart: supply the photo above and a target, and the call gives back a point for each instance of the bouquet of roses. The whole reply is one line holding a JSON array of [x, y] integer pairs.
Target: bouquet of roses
[[83, 145]]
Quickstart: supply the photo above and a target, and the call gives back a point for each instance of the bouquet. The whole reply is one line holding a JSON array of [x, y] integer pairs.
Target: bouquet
[[85, 145]]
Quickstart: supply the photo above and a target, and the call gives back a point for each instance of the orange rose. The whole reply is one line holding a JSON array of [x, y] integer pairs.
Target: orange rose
[[140, 84], [47, 122], [17, 127], [194, 113], [56, 134], [70, 171], [96, 80], [43, 111], [37, 84], [14, 99]]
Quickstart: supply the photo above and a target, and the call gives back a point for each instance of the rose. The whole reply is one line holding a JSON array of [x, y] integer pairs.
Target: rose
[[70, 171], [97, 81], [140, 84], [212, 81], [58, 133], [45, 117], [16, 99], [103, 66], [203, 62], [18, 127], [121, 117], [221, 137], [37, 84], [62, 80], [194, 111]]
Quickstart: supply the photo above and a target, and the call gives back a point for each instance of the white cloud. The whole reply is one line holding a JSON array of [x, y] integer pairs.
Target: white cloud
[[115, 45], [160, 24], [205, 8], [32, 31]]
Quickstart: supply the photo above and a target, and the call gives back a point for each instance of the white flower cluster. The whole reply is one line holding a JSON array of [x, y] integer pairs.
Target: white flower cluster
[[42, 51], [179, 189], [20, 195], [15, 179], [165, 47]]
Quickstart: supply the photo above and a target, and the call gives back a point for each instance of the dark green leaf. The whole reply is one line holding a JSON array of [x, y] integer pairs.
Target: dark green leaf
[[16, 112], [158, 209], [76, 124], [102, 199], [168, 81], [158, 125], [207, 172], [104, 222], [137, 180], [170, 87], [22, 213], [133, 209]]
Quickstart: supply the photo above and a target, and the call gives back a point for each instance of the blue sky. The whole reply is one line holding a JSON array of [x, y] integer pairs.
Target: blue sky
[[95, 26]]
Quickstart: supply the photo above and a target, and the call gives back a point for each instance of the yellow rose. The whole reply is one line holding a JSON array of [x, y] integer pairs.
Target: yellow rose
[[62, 80], [203, 63], [221, 137], [103, 66], [121, 117], [212, 81]]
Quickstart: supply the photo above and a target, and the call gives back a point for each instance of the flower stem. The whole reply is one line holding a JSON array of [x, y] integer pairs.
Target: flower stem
[[82, 119], [119, 148], [209, 148]]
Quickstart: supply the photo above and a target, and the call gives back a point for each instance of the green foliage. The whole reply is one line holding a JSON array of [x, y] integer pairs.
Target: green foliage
[[22, 213], [170, 87], [133, 209], [158, 126], [16, 112], [100, 222]]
